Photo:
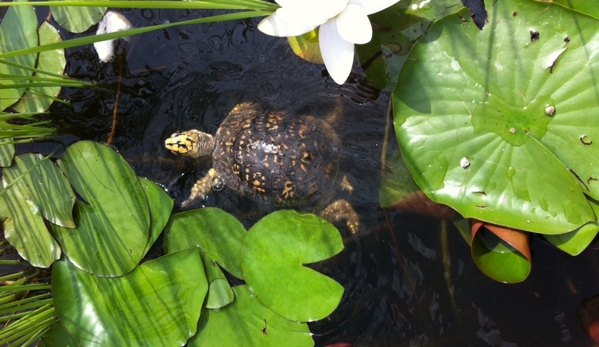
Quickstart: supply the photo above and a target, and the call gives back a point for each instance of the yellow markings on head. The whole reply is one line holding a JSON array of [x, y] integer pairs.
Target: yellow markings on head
[[179, 143]]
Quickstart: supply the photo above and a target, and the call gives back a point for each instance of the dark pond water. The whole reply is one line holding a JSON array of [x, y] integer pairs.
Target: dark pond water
[[408, 281]]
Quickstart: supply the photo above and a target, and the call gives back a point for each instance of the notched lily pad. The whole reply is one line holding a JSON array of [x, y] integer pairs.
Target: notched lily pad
[[113, 220], [500, 125], [273, 257]]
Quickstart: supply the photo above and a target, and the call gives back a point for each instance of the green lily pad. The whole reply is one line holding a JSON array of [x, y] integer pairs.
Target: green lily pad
[[39, 99], [576, 241], [18, 30], [499, 123], [77, 19], [157, 304], [246, 322], [160, 204], [218, 234], [114, 221], [39, 189], [272, 259], [7, 152], [57, 336], [582, 6]]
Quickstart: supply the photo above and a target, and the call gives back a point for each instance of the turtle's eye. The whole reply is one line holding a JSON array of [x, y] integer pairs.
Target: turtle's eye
[[218, 184]]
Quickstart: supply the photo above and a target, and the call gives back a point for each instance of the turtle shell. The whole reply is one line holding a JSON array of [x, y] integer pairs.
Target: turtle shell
[[279, 157]]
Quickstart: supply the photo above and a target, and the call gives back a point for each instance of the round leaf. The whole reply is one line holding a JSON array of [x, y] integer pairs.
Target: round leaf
[[246, 322], [499, 123], [273, 254], [113, 227], [218, 235], [157, 304], [160, 205]]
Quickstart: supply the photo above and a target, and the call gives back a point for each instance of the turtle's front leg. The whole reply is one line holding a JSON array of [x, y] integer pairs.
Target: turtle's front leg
[[341, 210], [203, 186]]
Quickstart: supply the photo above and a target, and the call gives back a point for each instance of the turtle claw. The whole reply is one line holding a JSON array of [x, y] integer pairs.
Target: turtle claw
[[341, 210], [201, 188]]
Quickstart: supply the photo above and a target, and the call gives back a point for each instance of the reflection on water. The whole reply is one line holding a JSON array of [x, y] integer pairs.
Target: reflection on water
[[402, 287]]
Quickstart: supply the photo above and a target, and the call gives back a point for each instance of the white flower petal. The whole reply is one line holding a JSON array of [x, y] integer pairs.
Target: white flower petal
[[373, 6], [273, 25], [337, 53], [353, 25]]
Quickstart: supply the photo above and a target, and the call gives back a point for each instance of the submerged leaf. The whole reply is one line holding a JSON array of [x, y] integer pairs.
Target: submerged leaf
[[499, 124], [114, 221], [246, 322], [273, 257], [157, 304]]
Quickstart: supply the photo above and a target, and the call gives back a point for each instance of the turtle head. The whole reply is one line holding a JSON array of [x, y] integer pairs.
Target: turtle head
[[192, 143]]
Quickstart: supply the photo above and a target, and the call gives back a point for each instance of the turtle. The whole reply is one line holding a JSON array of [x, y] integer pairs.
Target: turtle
[[277, 157]]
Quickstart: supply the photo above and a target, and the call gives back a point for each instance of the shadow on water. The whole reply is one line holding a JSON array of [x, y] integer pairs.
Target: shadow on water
[[402, 287]]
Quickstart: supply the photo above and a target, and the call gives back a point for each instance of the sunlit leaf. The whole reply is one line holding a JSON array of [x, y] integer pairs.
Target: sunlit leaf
[[273, 257], [38, 99], [160, 205], [39, 190], [246, 322], [157, 304], [18, 30], [500, 253], [218, 234], [576, 241], [583, 6], [77, 19], [113, 220], [499, 124]]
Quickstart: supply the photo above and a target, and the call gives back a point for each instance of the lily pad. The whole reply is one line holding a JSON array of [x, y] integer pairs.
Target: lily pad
[[273, 257], [39, 99], [18, 30], [246, 322], [37, 189], [114, 221], [157, 304], [499, 124], [576, 241], [7, 152], [218, 234], [77, 19], [160, 205], [579, 5]]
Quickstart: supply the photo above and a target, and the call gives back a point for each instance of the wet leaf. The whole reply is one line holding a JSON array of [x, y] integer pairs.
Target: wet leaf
[[246, 322], [273, 256], [18, 30], [114, 221], [501, 253], [39, 99], [77, 19], [160, 204], [57, 336], [398, 191], [500, 127], [157, 304], [39, 191], [218, 234], [576, 241], [583, 6]]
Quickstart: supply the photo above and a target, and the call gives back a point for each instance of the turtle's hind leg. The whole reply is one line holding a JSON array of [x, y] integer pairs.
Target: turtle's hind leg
[[341, 210]]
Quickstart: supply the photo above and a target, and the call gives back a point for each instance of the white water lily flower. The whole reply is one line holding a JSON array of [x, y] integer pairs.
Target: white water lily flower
[[110, 23], [343, 23]]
